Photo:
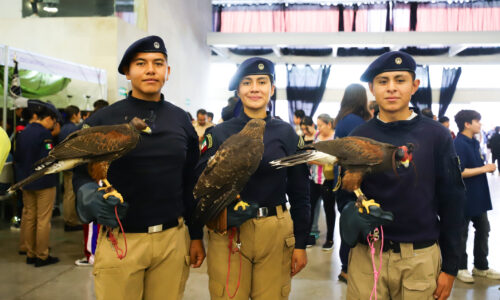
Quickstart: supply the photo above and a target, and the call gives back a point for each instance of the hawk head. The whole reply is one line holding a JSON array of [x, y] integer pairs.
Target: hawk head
[[140, 125], [403, 155]]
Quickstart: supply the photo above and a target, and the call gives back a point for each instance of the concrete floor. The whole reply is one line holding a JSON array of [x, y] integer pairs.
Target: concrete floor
[[317, 281]]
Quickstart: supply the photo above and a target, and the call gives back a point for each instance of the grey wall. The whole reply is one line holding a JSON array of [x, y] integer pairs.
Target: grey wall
[[183, 24]]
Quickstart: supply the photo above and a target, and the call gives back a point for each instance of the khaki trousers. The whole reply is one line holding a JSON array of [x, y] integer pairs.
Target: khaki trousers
[[37, 212], [266, 253], [409, 275], [156, 265], [69, 208]]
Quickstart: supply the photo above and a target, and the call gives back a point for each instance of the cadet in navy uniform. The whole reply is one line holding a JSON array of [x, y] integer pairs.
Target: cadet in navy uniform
[[156, 180], [422, 246], [33, 144], [272, 246]]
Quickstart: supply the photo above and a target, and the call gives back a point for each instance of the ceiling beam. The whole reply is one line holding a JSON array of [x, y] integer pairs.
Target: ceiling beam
[[356, 39]]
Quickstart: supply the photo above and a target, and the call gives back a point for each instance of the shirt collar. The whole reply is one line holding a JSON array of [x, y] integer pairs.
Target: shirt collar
[[243, 117]]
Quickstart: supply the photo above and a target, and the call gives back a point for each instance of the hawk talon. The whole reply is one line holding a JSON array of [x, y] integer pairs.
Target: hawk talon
[[113, 193], [366, 204], [241, 204]]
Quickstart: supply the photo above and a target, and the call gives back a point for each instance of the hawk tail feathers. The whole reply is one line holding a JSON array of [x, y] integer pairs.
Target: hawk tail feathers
[[304, 157], [36, 175]]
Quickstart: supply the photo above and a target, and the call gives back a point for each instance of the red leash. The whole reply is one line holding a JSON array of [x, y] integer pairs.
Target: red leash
[[232, 251], [119, 252]]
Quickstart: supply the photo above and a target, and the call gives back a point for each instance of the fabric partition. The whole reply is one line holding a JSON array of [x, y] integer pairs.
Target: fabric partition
[[311, 18], [423, 97], [348, 17], [376, 18], [401, 17], [305, 88], [448, 86], [253, 18], [35, 84]]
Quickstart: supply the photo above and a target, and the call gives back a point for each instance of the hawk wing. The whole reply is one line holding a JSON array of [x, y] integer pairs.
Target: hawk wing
[[95, 141], [226, 174], [354, 151]]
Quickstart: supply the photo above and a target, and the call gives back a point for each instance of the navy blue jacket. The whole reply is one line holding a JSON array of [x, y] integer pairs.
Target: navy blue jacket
[[66, 130], [157, 178], [33, 144], [427, 199], [269, 186], [347, 124], [476, 187]]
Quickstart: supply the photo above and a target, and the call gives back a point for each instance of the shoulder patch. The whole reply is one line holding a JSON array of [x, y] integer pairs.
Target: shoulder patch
[[207, 143], [47, 144], [85, 125], [301, 142]]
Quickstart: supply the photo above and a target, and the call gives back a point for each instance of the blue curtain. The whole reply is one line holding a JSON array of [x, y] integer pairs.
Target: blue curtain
[[305, 88], [423, 97], [448, 87]]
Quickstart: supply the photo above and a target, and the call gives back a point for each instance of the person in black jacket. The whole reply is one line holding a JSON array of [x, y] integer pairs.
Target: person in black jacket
[[33, 144], [421, 250], [156, 180]]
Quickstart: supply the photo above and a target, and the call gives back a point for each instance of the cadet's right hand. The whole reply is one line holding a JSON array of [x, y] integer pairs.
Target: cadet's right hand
[[353, 223], [91, 206], [490, 168]]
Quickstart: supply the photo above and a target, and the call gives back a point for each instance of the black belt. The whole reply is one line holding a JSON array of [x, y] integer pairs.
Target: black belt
[[396, 248], [154, 228], [263, 212]]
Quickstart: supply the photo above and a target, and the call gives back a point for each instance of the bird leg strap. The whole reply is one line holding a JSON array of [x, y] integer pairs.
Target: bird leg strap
[[233, 231], [219, 223], [363, 202], [110, 190]]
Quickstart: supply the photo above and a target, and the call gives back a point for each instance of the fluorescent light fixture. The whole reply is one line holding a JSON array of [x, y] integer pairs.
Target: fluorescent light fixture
[[50, 9]]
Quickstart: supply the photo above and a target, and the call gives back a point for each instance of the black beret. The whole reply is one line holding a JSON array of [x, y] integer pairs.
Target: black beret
[[252, 66], [36, 106], [388, 62], [150, 43]]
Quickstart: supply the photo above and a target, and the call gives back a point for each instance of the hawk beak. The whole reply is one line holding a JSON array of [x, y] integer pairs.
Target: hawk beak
[[147, 130], [405, 163]]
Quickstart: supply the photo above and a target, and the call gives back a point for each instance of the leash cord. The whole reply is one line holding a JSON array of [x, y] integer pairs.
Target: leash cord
[[119, 252], [232, 251], [371, 239]]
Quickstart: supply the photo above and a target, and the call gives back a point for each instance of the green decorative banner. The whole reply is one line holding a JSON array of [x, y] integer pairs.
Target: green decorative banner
[[35, 84]]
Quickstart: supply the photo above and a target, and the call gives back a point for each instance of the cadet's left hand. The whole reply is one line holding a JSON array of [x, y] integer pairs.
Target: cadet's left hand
[[299, 260], [196, 253], [444, 285]]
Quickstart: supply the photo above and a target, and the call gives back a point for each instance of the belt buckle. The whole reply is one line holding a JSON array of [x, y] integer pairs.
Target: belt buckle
[[262, 212], [155, 228]]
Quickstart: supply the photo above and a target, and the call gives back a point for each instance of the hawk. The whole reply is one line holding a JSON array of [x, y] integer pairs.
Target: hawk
[[98, 146], [358, 156], [228, 171]]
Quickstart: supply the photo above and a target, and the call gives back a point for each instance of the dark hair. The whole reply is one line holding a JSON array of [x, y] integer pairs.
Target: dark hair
[[466, 116], [427, 112], [210, 115], [71, 111], [373, 105], [201, 112], [100, 104], [355, 102], [299, 113], [307, 121], [190, 116], [443, 119]]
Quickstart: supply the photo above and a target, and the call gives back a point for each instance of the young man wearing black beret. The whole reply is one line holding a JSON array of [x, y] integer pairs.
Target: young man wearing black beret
[[156, 180], [420, 256]]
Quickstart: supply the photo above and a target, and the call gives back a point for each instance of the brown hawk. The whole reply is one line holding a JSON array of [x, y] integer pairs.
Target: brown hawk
[[358, 156], [97, 146], [228, 171]]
